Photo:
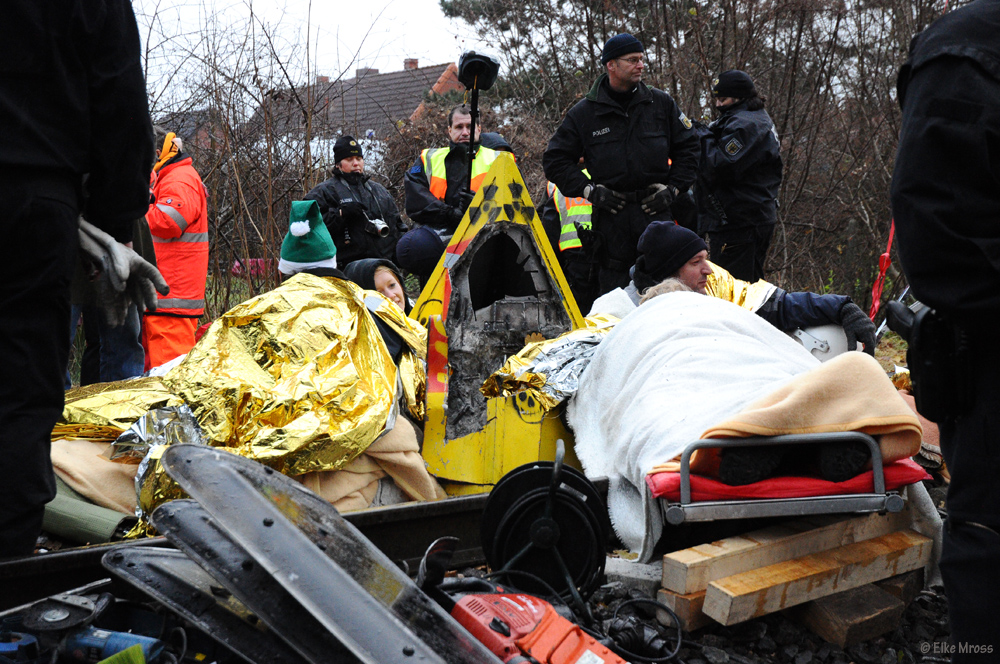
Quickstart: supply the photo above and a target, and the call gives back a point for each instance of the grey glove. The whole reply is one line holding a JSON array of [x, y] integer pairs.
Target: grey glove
[[123, 275], [604, 198], [858, 327], [659, 199]]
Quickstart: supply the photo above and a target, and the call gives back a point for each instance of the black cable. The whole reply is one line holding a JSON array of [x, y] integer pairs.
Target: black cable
[[183, 639], [673, 616], [555, 598], [513, 521]]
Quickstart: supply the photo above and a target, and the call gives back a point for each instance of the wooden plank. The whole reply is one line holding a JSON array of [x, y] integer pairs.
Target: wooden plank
[[768, 589], [691, 570], [687, 607], [851, 617], [904, 586]]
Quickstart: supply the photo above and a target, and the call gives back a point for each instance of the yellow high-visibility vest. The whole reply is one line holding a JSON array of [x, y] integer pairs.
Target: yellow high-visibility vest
[[433, 160], [573, 213]]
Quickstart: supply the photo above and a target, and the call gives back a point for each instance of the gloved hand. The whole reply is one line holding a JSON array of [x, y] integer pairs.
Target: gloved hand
[[123, 275], [455, 217], [465, 199], [858, 327], [659, 199], [604, 198], [585, 232], [353, 212]]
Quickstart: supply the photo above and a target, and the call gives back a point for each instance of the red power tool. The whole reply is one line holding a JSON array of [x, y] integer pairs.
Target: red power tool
[[517, 628]]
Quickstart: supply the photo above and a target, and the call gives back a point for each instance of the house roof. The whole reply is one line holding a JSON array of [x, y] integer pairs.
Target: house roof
[[368, 102]]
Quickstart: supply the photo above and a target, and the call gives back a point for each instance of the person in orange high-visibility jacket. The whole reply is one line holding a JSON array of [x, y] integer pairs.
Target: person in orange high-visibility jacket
[[178, 221]]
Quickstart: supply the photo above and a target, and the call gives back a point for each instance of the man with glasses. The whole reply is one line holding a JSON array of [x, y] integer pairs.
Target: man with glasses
[[641, 152]]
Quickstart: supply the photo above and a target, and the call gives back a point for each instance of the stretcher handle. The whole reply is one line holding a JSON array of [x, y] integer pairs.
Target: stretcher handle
[[878, 478]]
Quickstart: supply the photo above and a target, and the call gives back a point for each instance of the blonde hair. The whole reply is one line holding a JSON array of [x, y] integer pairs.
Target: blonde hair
[[669, 285]]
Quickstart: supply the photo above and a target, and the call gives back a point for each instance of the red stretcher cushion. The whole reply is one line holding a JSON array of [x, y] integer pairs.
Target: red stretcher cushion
[[897, 474]]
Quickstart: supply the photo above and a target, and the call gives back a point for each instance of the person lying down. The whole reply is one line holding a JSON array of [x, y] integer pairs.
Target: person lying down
[[683, 366]]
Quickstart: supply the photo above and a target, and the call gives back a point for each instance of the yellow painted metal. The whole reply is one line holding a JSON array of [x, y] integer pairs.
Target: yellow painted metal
[[516, 433], [518, 430], [510, 202]]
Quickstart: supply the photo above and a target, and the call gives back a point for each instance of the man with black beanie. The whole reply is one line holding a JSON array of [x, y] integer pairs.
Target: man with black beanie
[[740, 175], [668, 250], [361, 215], [641, 151]]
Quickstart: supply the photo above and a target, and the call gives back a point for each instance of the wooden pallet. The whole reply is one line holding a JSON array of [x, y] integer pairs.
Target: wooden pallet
[[814, 563]]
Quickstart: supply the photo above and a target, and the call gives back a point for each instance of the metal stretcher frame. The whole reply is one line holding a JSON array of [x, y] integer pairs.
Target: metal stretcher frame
[[879, 500]]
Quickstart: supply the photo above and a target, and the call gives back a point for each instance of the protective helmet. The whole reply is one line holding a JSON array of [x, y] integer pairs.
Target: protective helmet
[[825, 342]]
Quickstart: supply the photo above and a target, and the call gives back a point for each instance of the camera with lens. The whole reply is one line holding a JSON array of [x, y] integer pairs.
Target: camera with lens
[[377, 227]]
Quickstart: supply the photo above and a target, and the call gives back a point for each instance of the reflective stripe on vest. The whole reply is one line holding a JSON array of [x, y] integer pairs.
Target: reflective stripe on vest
[[437, 175], [171, 303], [185, 237], [573, 212], [174, 214]]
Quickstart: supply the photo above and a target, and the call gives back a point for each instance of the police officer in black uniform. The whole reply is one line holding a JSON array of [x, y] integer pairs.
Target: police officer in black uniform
[[361, 215], [738, 181], [641, 152], [72, 102], [946, 203]]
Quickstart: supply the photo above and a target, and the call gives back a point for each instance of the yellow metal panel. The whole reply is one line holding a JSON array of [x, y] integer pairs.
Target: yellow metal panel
[[508, 201], [517, 432]]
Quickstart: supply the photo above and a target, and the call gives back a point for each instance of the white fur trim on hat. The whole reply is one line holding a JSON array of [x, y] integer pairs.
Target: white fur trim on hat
[[291, 267]]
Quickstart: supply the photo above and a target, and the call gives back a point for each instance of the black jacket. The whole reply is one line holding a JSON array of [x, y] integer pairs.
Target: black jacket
[[426, 209], [946, 183], [353, 236], [740, 170], [73, 101], [624, 149]]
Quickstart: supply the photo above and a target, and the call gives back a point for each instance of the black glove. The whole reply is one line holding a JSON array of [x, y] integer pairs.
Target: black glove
[[659, 199], [858, 327], [353, 212], [604, 198], [455, 217], [465, 199]]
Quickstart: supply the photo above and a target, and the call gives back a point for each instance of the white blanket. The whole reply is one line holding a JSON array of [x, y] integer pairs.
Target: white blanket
[[667, 372]]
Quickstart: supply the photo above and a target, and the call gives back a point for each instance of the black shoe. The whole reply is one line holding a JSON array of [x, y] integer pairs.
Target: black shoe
[[746, 465], [839, 462]]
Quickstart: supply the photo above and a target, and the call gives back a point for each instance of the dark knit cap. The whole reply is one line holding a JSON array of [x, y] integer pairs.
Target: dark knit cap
[[346, 147], [620, 45], [494, 141], [734, 83], [664, 247]]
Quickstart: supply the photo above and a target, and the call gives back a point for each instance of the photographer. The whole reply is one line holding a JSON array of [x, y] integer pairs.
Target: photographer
[[360, 214]]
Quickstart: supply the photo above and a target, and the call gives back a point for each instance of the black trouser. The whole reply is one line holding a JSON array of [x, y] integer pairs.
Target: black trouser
[[970, 560], [741, 251], [38, 221], [618, 236], [580, 271]]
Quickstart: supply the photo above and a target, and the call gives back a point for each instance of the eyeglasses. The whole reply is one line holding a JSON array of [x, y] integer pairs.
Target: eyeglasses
[[633, 61]]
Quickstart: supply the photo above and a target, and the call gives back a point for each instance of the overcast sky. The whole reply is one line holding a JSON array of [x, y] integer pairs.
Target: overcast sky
[[344, 34]]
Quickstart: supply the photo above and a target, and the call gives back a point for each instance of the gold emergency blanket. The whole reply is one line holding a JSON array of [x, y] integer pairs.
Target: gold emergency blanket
[[748, 295], [549, 370], [103, 411], [298, 377]]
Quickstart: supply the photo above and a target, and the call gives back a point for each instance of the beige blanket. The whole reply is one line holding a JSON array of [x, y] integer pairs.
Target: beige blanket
[[396, 454], [849, 393]]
